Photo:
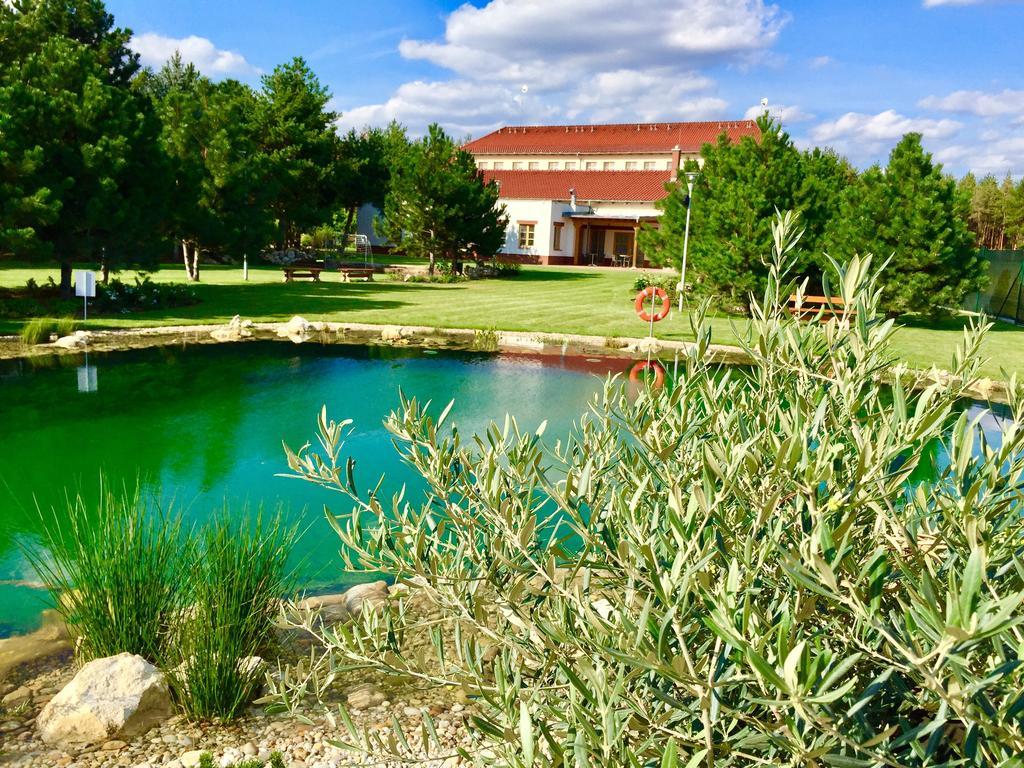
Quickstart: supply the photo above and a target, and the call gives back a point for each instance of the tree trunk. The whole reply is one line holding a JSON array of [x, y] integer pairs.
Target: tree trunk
[[191, 264], [430, 266], [65, 279], [348, 220], [106, 273]]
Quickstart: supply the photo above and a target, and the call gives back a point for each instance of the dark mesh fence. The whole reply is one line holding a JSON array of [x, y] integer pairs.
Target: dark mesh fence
[[1004, 295]]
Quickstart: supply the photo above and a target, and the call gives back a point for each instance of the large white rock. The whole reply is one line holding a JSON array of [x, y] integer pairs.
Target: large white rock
[[113, 698], [236, 330]]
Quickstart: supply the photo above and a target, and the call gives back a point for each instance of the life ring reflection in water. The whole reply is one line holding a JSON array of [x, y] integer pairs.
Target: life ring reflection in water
[[639, 369]]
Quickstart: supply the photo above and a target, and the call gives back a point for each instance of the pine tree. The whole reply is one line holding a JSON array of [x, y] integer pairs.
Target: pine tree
[[438, 206], [916, 217], [209, 132], [736, 195], [80, 159], [297, 135]]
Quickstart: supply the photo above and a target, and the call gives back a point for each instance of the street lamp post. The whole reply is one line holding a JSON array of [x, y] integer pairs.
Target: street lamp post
[[691, 176]]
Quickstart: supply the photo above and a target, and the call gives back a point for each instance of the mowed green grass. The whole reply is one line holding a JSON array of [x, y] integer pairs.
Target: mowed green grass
[[541, 299]]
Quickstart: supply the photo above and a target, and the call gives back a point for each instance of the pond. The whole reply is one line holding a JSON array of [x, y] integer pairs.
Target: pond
[[204, 425]]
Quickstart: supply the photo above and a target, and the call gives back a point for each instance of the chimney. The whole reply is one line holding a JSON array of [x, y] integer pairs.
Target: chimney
[[676, 153]]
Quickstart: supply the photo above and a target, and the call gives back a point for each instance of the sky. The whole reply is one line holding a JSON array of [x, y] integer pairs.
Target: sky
[[851, 75]]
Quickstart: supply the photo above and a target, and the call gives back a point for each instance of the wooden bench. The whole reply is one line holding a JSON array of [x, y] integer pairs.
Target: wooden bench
[[302, 272], [824, 307], [348, 274]]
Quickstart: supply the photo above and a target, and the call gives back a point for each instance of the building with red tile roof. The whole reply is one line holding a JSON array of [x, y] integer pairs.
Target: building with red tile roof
[[579, 194]]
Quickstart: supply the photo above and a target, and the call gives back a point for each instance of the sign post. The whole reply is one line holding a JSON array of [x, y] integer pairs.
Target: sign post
[[85, 286]]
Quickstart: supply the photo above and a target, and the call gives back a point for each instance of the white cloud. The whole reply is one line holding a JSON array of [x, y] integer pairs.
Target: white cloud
[[882, 127], [980, 103], [786, 113], [821, 61], [155, 50], [464, 107], [587, 60], [997, 155]]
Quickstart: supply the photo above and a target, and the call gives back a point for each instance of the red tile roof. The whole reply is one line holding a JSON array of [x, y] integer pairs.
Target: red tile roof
[[620, 186], [621, 138]]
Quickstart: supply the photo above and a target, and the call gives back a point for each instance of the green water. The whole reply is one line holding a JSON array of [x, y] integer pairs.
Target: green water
[[204, 425]]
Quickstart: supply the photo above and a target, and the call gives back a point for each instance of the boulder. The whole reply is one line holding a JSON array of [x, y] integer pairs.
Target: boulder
[[365, 696], [332, 609], [297, 329], [236, 330], [114, 698], [361, 595], [51, 639], [77, 340]]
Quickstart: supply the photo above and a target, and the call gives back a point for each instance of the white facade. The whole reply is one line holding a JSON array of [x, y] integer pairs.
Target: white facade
[[596, 222]]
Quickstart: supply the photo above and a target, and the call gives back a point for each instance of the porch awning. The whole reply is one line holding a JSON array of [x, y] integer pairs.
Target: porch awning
[[609, 217]]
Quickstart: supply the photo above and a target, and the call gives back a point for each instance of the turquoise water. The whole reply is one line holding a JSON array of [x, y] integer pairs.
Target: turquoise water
[[204, 425]]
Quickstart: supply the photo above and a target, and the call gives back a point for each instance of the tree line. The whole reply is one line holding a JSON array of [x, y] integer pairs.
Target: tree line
[[996, 211], [907, 212], [105, 162]]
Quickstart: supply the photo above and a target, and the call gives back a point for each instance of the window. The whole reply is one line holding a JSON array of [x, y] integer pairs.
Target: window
[[631, 165], [553, 165], [609, 165], [526, 233], [534, 166], [518, 165], [668, 165], [498, 165], [557, 243], [590, 166], [648, 165], [570, 166], [482, 165], [622, 245]]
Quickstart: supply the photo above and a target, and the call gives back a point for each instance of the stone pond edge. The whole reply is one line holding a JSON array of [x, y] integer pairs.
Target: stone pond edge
[[298, 330]]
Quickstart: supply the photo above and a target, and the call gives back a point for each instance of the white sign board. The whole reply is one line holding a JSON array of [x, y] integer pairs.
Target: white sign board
[[85, 283]]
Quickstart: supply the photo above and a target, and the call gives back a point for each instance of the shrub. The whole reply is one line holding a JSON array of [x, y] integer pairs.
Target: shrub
[[744, 569], [114, 570], [237, 580], [667, 283], [142, 294]]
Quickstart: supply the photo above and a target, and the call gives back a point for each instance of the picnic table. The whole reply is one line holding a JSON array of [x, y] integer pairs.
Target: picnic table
[[348, 274], [299, 271]]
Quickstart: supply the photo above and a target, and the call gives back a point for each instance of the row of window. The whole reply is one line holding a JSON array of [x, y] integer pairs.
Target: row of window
[[571, 165], [528, 233]]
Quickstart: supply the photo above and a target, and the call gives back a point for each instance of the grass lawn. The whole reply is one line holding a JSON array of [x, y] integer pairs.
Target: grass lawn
[[541, 299]]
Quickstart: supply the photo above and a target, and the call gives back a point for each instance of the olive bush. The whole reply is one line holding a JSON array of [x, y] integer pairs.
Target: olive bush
[[756, 566]]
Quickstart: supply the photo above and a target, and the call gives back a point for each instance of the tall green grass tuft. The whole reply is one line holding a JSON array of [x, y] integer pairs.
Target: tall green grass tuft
[[115, 571], [38, 329], [236, 583]]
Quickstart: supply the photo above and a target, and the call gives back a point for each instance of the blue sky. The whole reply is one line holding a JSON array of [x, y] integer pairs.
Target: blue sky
[[852, 75]]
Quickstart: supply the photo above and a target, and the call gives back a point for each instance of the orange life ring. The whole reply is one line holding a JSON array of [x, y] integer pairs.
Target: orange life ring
[[649, 292], [641, 365]]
